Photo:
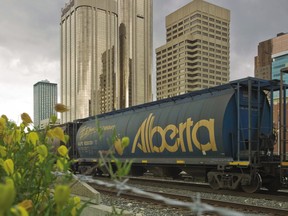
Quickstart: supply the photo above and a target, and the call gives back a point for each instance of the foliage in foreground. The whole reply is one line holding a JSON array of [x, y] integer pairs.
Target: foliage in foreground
[[27, 162]]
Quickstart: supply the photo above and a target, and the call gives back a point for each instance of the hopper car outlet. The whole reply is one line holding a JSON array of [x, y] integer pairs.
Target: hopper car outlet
[[223, 134]]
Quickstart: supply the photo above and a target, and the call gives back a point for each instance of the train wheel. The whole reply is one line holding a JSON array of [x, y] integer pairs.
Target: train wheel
[[97, 172], [214, 183], [255, 184], [82, 169]]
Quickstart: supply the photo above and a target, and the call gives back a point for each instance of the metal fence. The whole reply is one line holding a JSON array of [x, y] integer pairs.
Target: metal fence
[[195, 206]]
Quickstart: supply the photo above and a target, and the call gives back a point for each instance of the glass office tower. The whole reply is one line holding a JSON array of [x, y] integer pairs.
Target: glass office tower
[[45, 98], [87, 32], [135, 32], [106, 51]]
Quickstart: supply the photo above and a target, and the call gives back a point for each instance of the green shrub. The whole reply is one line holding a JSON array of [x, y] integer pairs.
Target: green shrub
[[27, 163]]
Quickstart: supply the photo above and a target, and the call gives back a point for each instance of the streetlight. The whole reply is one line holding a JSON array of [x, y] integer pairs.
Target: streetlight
[[281, 107]]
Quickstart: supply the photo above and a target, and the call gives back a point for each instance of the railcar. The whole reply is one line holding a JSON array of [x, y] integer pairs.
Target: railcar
[[71, 129], [224, 134]]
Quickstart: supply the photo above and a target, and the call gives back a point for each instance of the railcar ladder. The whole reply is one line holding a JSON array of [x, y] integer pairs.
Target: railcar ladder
[[255, 110], [283, 134]]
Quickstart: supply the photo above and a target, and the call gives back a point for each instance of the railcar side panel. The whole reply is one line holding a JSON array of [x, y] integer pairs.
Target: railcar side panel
[[190, 128]]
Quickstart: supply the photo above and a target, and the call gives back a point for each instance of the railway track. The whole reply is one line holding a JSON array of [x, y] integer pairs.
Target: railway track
[[162, 185], [280, 196], [240, 207]]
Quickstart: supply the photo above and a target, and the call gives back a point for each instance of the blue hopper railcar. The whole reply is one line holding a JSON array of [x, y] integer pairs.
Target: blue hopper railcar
[[224, 134]]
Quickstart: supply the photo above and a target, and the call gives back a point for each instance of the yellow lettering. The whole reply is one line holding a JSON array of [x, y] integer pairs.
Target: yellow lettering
[[86, 131], [210, 127], [147, 133], [150, 137], [159, 130], [174, 130], [182, 127], [140, 135], [188, 134], [144, 137]]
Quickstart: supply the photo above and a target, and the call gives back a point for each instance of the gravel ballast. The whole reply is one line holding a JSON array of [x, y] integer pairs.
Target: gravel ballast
[[147, 209]]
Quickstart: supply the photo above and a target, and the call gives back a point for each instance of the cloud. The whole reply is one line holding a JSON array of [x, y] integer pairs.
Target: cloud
[[29, 51], [31, 27], [160, 10], [30, 41], [16, 69], [18, 78]]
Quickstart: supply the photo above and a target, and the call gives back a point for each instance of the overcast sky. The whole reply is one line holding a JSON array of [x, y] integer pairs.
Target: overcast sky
[[30, 42]]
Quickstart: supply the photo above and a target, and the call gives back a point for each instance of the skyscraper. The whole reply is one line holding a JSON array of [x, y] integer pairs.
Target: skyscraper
[[263, 62], [272, 56], [106, 51], [45, 98], [197, 50], [107, 84], [135, 31], [88, 30]]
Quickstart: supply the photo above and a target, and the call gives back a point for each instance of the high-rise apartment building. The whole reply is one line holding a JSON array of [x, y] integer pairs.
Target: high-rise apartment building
[[272, 56], [197, 49], [263, 61], [106, 51], [45, 98], [107, 83]]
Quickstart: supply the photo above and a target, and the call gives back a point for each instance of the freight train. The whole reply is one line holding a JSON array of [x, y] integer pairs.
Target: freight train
[[225, 134]]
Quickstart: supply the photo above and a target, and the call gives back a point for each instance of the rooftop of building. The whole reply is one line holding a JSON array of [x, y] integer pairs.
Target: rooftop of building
[[44, 81], [198, 5], [67, 7]]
